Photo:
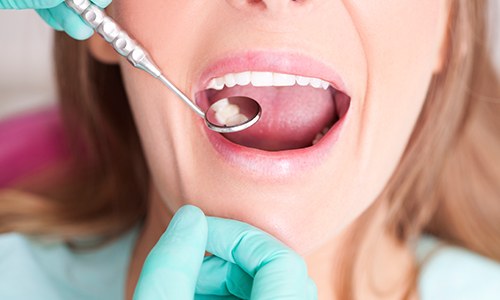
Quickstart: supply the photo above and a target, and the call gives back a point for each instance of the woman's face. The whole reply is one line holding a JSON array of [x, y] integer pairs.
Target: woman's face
[[378, 57]]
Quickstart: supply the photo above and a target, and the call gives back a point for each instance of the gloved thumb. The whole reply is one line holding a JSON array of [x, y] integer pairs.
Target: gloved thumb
[[171, 269]]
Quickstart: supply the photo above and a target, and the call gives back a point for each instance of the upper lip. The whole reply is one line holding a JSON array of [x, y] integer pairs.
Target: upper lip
[[271, 61]]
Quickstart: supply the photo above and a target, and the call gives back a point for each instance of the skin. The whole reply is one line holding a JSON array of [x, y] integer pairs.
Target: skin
[[385, 51]]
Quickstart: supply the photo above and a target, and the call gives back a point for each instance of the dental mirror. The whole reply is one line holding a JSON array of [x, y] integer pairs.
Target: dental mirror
[[227, 115], [232, 114]]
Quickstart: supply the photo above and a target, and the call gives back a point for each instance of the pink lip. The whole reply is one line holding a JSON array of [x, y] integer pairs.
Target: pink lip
[[277, 165]]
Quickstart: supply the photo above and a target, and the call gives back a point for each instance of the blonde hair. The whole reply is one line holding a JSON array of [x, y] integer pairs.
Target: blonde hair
[[447, 182]]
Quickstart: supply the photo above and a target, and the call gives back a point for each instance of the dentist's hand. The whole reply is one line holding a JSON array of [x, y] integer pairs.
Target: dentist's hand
[[247, 263], [57, 15]]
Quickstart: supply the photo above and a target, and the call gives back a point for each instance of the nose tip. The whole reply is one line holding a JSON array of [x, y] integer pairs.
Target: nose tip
[[272, 6]]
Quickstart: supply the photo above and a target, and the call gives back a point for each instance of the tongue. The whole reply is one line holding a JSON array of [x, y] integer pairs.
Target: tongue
[[291, 116]]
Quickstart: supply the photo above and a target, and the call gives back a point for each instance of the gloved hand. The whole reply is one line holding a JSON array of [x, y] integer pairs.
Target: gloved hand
[[57, 15], [247, 263]]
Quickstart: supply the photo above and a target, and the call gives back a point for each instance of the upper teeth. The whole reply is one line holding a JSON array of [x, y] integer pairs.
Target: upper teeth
[[262, 79]]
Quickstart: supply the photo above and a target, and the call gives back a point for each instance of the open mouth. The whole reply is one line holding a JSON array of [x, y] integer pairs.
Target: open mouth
[[297, 111]]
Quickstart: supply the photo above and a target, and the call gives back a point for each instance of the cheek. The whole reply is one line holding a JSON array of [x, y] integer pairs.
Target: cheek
[[171, 37], [401, 45]]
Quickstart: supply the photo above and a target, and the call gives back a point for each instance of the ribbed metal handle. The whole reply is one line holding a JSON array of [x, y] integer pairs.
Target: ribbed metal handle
[[105, 26], [125, 45]]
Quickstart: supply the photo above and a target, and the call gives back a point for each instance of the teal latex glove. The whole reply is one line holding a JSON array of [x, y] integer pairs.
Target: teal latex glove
[[57, 15], [247, 263]]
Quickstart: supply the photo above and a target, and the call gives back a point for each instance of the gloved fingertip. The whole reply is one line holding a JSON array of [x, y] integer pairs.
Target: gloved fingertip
[[47, 17], [102, 3], [312, 290], [15, 4], [80, 33], [71, 22], [190, 210], [188, 217]]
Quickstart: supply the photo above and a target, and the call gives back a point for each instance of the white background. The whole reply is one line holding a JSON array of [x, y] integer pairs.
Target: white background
[[26, 74]]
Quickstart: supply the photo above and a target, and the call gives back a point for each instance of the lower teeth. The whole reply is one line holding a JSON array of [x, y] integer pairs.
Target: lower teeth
[[320, 135]]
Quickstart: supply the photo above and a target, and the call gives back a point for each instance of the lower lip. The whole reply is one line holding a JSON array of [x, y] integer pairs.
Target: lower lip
[[277, 165]]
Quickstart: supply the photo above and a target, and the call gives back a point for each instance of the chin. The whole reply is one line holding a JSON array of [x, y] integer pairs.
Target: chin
[[295, 222]]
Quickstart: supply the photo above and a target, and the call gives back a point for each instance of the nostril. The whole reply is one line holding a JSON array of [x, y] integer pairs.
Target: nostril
[[247, 4], [270, 5], [257, 3], [276, 5]]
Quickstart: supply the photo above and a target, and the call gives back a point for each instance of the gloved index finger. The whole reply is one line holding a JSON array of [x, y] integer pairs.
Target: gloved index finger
[[29, 4], [101, 3], [277, 270], [70, 22], [172, 267], [42, 4]]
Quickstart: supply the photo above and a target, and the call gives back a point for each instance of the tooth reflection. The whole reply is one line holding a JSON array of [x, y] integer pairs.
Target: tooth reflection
[[228, 114], [236, 120]]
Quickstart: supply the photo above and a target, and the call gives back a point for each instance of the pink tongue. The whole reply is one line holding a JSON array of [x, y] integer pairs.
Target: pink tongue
[[291, 116]]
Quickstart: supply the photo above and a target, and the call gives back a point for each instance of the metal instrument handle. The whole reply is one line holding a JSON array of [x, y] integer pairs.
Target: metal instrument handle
[[127, 47], [96, 18]]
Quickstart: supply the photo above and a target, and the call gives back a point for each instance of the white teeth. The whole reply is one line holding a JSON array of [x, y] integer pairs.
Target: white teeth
[[283, 79], [236, 120], [317, 138], [216, 83], [228, 114], [303, 81], [230, 80], [263, 79], [220, 104], [320, 135], [315, 82], [243, 78], [220, 81]]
